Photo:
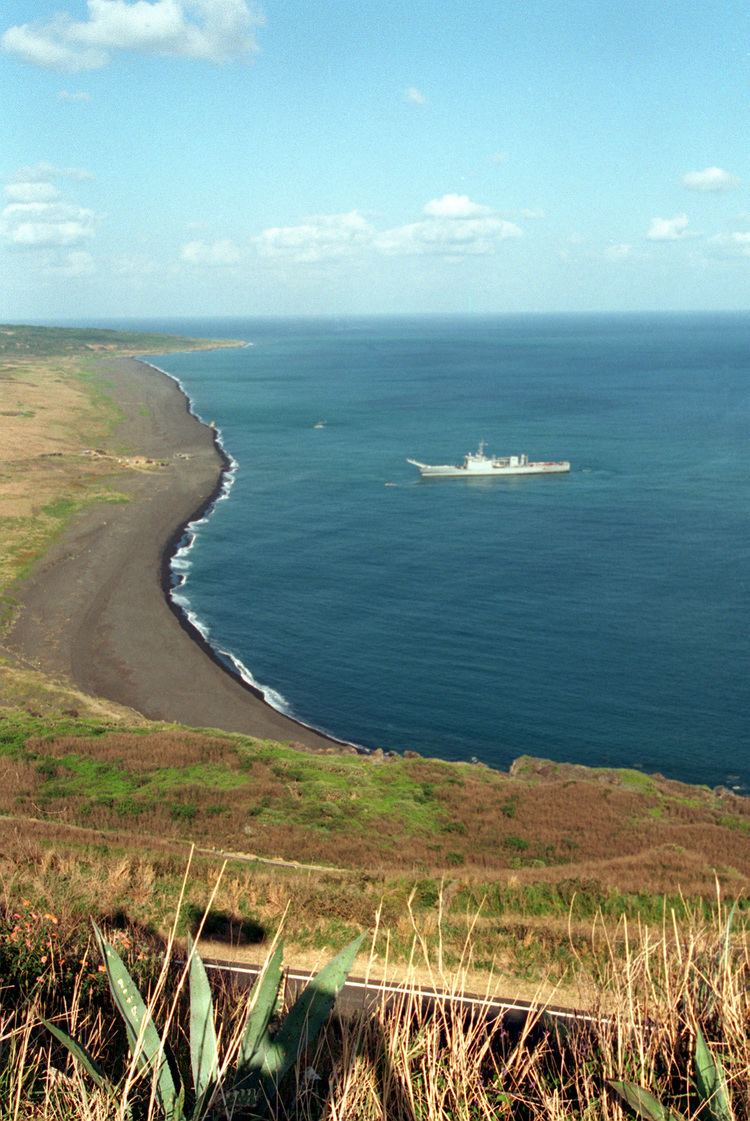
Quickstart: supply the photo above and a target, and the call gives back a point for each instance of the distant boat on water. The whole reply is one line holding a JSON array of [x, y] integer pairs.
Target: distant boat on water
[[478, 464], [320, 424]]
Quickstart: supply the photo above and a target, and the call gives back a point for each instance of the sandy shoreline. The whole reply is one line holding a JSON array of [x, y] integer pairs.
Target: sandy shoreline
[[95, 610]]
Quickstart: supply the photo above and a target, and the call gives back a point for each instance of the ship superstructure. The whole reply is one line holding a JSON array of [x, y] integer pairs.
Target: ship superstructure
[[478, 464]]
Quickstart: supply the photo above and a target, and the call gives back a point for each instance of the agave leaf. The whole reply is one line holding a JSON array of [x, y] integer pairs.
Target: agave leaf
[[710, 1080], [308, 1014], [144, 1039], [641, 1101], [260, 1010], [204, 1055], [79, 1052]]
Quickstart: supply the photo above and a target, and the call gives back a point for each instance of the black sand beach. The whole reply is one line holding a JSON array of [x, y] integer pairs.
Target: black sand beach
[[94, 612]]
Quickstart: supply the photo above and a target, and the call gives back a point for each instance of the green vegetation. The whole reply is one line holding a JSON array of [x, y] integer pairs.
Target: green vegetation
[[18, 341], [108, 811], [254, 1062], [667, 1013]]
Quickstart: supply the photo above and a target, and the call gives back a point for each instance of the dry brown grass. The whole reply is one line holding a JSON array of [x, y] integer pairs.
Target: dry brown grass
[[403, 1061], [408, 815]]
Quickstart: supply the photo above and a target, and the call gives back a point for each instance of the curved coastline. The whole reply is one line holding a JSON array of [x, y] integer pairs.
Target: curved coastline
[[224, 659], [92, 612]]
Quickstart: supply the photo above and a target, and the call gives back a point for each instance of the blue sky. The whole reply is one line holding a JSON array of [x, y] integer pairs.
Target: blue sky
[[191, 157]]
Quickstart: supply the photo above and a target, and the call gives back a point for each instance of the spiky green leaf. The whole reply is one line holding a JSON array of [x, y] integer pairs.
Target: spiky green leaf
[[79, 1052], [641, 1101], [204, 1055], [260, 1009], [710, 1081], [144, 1039], [308, 1014]]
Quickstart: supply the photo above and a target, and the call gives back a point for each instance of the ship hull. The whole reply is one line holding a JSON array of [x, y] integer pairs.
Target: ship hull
[[429, 471]]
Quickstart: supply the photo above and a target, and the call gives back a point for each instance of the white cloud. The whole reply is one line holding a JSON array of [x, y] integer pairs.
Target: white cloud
[[618, 252], [454, 226], [321, 237], [32, 192], [710, 179], [730, 245], [49, 171], [41, 224], [668, 229], [214, 254], [457, 237], [210, 30], [38, 218], [414, 96], [73, 95], [533, 215], [455, 206]]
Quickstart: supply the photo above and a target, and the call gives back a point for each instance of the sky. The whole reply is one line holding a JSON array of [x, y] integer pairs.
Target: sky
[[334, 157]]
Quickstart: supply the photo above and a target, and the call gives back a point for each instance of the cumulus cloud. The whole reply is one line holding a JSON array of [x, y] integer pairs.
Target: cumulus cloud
[[618, 252], [730, 245], [213, 254], [533, 215], [668, 229], [710, 179], [38, 217], [414, 96], [455, 226], [455, 206], [45, 171], [471, 237], [32, 192], [40, 224], [320, 237], [209, 30], [73, 95]]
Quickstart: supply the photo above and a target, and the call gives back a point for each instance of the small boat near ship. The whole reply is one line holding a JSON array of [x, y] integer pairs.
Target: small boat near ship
[[478, 464]]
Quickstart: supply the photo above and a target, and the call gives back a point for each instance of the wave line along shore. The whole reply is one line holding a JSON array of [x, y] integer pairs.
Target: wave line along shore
[[97, 608]]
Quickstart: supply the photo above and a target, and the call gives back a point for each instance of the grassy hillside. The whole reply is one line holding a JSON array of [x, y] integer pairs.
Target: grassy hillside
[[100, 806], [108, 814]]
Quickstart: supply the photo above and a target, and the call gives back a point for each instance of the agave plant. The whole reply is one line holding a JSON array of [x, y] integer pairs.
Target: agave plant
[[710, 1086], [250, 1072]]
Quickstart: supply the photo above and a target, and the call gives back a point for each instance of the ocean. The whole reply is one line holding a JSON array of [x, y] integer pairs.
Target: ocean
[[599, 617]]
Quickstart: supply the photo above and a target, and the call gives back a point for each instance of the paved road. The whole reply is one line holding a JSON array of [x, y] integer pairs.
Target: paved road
[[359, 994]]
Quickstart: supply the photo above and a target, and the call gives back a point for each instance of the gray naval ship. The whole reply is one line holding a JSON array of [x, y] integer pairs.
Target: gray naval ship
[[477, 463]]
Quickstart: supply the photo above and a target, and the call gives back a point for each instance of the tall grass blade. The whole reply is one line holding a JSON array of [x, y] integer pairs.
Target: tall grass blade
[[204, 1056], [144, 1039], [79, 1052], [308, 1014], [710, 1081]]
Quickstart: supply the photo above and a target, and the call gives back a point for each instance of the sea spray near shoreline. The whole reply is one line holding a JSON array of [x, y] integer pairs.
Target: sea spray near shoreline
[[177, 566], [603, 624]]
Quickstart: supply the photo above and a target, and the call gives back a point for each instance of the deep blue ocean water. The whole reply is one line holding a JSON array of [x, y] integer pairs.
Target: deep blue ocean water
[[599, 617]]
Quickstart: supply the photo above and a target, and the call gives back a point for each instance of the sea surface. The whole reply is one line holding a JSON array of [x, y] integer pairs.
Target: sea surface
[[599, 617]]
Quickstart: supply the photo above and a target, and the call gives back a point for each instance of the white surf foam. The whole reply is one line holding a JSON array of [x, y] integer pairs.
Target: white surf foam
[[180, 565]]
